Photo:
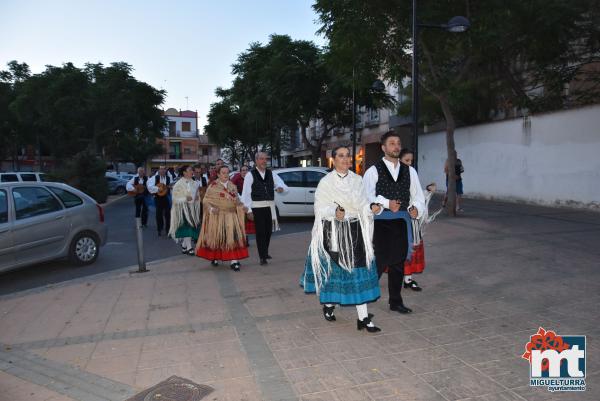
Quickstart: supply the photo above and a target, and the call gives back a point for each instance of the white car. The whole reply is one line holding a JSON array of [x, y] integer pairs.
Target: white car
[[23, 176], [300, 199]]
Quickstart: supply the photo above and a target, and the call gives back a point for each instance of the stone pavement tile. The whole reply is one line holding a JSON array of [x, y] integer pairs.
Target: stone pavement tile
[[399, 342], [77, 355], [459, 314], [236, 389], [477, 351], [121, 363], [428, 360], [165, 342], [542, 394], [356, 348], [391, 325], [324, 396], [303, 357], [225, 367], [164, 357], [425, 320], [340, 331], [503, 396], [358, 393], [461, 382], [266, 304], [108, 348], [498, 308], [373, 369], [429, 303], [133, 316], [447, 334], [408, 388], [168, 314], [212, 335], [511, 372], [145, 378], [14, 389], [289, 325], [321, 378], [290, 339]]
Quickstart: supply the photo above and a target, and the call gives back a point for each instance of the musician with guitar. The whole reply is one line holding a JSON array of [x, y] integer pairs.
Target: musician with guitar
[[160, 185], [137, 187]]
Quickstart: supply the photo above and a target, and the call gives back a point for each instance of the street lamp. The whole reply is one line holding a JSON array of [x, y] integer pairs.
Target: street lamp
[[377, 86], [456, 24]]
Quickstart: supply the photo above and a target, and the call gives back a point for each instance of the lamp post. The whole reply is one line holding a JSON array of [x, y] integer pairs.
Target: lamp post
[[456, 25]]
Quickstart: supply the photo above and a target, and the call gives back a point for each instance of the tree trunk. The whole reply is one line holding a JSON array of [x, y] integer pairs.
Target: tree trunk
[[451, 155]]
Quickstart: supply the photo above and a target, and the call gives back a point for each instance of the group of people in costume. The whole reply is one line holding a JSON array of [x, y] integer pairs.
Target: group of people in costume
[[364, 227], [211, 215]]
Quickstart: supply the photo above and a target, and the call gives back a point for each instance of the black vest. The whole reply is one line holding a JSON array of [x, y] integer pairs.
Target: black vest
[[157, 180], [262, 190], [390, 189]]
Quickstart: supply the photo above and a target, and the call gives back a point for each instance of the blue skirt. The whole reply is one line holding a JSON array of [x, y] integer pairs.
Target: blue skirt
[[343, 288]]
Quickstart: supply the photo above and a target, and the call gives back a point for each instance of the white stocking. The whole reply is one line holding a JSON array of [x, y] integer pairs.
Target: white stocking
[[187, 242], [363, 313]]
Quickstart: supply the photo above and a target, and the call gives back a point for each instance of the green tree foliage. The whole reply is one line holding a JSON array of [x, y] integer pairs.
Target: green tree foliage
[[85, 171], [516, 55]]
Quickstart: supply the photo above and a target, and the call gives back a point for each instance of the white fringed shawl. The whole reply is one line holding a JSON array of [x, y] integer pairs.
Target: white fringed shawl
[[418, 225], [349, 193], [182, 209]]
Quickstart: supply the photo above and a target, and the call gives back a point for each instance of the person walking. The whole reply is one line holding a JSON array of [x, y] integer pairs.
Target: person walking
[[185, 212], [137, 187], [160, 187]]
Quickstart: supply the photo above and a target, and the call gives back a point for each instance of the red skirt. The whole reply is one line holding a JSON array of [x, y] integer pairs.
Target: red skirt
[[417, 263], [219, 254], [250, 227]]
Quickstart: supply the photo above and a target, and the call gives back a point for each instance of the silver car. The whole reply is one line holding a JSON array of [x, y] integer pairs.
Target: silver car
[[41, 221]]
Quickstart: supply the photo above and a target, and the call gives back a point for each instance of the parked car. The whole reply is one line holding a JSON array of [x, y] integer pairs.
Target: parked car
[[23, 176], [300, 199], [123, 176], [116, 185], [46, 221]]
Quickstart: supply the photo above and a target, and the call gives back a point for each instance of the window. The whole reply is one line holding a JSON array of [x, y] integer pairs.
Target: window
[[47, 178], [187, 151], [204, 151], [3, 207], [9, 178], [28, 177], [313, 178], [172, 128], [186, 126], [292, 178], [175, 150], [68, 199], [34, 201]]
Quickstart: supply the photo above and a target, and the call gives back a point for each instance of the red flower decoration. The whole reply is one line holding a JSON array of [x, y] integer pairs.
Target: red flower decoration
[[542, 341], [221, 194]]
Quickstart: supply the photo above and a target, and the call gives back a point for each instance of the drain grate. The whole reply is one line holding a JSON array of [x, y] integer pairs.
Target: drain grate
[[174, 389]]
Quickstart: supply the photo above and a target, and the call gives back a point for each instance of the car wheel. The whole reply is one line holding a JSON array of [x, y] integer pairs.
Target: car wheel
[[84, 249], [121, 191]]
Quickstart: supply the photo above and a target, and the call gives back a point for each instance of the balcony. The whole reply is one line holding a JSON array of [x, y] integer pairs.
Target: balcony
[[182, 134]]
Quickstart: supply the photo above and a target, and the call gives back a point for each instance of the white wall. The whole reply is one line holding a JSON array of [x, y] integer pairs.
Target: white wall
[[555, 162]]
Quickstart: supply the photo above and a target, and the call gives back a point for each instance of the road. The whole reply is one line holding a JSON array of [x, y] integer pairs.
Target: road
[[120, 250]]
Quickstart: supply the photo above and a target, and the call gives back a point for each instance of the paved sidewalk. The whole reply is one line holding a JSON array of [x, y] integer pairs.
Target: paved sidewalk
[[493, 276]]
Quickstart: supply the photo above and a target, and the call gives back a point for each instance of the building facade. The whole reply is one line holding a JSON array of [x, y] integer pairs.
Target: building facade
[[182, 142]]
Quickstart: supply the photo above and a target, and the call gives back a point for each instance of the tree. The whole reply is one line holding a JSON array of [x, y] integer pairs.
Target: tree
[[516, 54]]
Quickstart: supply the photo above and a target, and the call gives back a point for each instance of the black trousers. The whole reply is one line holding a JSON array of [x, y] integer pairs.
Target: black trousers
[[395, 280], [141, 209], [264, 227], [391, 246], [163, 213]]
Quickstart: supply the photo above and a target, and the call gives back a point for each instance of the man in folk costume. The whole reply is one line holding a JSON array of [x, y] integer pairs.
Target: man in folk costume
[[340, 265], [222, 236], [185, 212], [395, 186], [138, 188], [160, 187], [258, 195]]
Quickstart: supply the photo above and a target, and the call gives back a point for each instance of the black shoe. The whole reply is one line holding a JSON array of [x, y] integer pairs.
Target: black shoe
[[364, 324], [191, 252], [263, 262], [214, 263], [159, 233], [400, 308], [412, 284], [184, 250], [235, 266], [328, 313], [269, 257]]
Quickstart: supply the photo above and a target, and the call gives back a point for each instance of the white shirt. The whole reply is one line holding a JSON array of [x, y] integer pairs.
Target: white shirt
[[130, 184], [247, 190], [151, 181], [417, 199]]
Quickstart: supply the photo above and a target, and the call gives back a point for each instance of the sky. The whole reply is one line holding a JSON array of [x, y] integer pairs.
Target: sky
[[184, 47]]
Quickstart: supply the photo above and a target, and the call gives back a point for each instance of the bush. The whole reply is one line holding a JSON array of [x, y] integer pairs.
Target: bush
[[85, 171]]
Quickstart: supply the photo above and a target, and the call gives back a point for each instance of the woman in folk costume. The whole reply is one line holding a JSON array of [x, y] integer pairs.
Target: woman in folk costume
[[185, 212], [417, 262], [223, 236], [340, 265]]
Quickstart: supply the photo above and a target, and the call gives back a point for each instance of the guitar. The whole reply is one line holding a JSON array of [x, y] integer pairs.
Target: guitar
[[138, 190], [163, 189]]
